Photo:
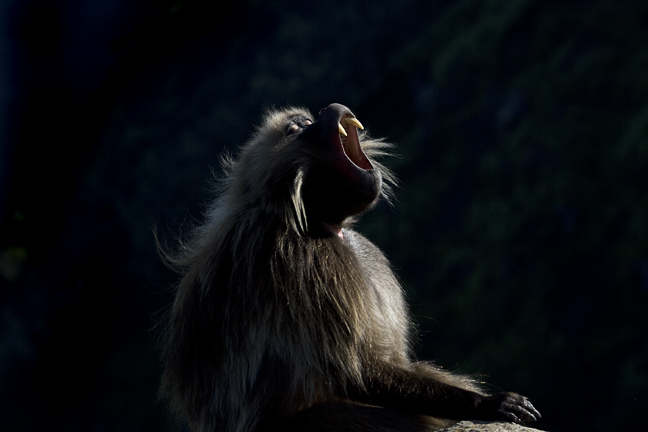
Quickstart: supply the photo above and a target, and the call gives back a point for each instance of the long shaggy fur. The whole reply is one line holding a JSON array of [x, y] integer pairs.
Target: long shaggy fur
[[273, 325]]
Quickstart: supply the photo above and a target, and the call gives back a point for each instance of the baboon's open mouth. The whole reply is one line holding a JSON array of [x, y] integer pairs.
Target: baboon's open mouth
[[350, 142]]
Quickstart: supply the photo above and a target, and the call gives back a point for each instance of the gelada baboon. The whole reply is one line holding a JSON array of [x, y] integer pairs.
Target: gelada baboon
[[287, 319]]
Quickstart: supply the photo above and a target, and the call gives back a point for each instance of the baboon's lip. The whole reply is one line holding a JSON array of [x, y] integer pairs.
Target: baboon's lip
[[350, 141]]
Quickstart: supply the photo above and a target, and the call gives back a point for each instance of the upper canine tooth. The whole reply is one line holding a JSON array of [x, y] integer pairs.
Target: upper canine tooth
[[354, 121], [341, 129]]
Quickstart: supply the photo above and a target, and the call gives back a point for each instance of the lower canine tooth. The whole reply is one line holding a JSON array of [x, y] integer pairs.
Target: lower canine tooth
[[341, 129]]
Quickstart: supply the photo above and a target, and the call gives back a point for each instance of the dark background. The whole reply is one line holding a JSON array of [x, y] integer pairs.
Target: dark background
[[521, 231]]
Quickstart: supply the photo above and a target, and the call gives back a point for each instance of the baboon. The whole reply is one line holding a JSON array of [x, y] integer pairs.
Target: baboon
[[286, 318]]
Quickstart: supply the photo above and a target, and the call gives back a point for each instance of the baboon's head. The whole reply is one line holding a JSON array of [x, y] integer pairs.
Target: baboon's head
[[317, 166]]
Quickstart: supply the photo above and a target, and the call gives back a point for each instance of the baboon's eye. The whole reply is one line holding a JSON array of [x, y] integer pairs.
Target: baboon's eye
[[298, 123]]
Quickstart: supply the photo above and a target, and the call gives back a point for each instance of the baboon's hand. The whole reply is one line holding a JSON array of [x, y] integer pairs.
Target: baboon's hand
[[507, 406]]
